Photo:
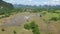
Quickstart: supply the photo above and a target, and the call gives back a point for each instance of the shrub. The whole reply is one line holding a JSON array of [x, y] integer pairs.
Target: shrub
[[32, 26], [27, 26], [14, 32], [3, 29], [54, 18], [40, 15]]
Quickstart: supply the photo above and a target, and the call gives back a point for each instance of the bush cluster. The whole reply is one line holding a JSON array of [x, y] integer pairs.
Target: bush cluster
[[32, 26]]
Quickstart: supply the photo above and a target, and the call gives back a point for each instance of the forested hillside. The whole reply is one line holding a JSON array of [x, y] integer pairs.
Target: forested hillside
[[5, 5], [5, 8]]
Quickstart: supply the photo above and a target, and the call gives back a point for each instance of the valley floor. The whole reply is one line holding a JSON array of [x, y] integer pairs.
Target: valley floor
[[16, 23]]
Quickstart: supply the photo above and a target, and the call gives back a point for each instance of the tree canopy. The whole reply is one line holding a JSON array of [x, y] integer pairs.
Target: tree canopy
[[5, 5]]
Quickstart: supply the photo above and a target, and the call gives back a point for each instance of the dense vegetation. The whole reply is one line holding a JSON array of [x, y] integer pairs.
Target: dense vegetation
[[50, 13], [5, 9], [33, 26], [5, 5]]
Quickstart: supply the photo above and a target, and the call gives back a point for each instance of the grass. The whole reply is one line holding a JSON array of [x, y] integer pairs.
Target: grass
[[48, 16], [40, 22]]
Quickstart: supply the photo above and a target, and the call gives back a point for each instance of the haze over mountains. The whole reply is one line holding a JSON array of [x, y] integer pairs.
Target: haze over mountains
[[43, 6], [34, 3]]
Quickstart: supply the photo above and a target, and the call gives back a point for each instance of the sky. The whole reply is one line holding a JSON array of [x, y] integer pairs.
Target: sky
[[34, 2]]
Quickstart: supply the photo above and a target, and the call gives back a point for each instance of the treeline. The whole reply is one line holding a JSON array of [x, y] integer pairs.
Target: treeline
[[39, 8]]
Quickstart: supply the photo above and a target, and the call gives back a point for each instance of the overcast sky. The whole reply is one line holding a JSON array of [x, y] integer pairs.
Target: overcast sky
[[34, 2]]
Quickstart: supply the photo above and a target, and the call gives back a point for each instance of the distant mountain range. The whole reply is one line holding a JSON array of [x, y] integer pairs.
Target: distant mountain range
[[40, 6]]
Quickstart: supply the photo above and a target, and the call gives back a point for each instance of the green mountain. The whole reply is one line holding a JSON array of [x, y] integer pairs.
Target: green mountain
[[5, 5]]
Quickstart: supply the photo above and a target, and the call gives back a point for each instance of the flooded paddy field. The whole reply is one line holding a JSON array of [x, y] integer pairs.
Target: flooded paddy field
[[16, 22]]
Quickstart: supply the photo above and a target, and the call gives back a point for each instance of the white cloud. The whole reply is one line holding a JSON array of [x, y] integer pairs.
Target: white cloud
[[29, 0], [54, 2], [33, 2], [10, 1]]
